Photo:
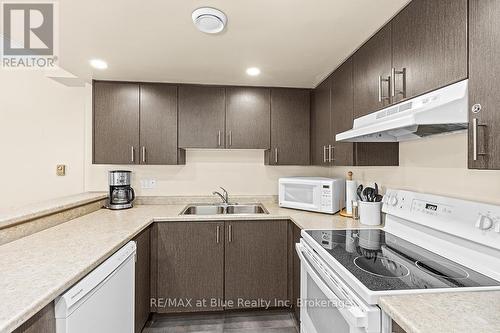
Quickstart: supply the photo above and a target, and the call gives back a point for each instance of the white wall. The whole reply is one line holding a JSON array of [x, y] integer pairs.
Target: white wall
[[435, 165], [41, 125]]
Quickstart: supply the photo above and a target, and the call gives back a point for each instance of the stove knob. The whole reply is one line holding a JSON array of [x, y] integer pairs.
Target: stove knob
[[393, 201], [484, 222]]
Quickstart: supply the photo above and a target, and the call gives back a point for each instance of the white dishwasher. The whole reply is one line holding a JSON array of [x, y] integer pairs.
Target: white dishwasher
[[103, 301]]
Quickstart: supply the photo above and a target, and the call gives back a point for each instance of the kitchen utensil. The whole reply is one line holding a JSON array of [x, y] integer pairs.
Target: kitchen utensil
[[359, 192]]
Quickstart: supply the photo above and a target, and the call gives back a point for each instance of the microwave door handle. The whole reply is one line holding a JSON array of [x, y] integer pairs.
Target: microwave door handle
[[354, 315]]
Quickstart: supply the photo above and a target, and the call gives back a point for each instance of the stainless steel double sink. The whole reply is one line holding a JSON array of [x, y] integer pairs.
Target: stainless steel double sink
[[224, 209]]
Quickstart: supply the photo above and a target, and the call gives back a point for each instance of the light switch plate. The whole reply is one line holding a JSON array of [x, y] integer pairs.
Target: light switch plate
[[61, 170], [148, 183]]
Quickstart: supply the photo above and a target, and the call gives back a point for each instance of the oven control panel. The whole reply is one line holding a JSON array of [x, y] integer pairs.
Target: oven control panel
[[476, 221]]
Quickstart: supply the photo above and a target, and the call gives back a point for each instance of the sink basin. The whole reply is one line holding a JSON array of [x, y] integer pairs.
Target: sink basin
[[246, 209], [221, 209]]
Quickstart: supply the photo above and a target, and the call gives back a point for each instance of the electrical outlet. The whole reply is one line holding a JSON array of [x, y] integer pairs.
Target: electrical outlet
[[61, 170], [148, 183]]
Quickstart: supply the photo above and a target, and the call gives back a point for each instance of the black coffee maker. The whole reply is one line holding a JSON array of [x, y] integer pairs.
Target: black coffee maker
[[121, 194]]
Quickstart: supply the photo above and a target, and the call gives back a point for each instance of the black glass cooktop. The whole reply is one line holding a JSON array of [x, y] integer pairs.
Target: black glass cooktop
[[382, 261]]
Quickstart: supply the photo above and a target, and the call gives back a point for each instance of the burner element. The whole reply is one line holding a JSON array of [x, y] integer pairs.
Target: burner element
[[382, 267], [442, 269]]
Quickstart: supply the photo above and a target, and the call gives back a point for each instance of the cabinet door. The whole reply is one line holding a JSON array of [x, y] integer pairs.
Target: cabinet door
[[44, 321], [158, 134], [371, 61], [248, 118], [188, 265], [484, 83], [320, 123], [429, 40], [116, 123], [201, 116], [142, 279], [256, 263], [342, 112], [290, 117]]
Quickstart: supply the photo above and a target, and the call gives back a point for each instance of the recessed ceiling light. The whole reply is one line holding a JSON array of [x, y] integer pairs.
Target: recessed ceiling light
[[253, 71], [98, 64], [209, 20]]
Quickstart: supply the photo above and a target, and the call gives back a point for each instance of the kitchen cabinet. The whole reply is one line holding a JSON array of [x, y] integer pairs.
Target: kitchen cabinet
[[201, 116], [290, 127], [371, 73], [484, 83], [395, 327], [256, 263], [248, 117], [187, 266], [429, 42], [135, 124], [142, 279], [43, 321], [320, 123], [158, 125], [116, 123]]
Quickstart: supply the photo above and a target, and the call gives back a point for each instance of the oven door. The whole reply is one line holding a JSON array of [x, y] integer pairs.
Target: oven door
[[327, 305], [300, 195]]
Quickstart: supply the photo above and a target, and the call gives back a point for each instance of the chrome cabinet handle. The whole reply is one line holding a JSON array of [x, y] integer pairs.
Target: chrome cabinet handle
[[143, 154], [230, 138], [132, 154], [230, 233], [381, 97], [395, 72], [475, 152], [276, 155], [218, 234], [324, 155], [218, 139], [330, 153]]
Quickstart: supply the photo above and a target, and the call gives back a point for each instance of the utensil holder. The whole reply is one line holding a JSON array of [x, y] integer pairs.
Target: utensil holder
[[370, 213]]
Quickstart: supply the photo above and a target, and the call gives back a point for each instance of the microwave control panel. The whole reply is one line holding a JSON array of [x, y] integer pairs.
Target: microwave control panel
[[326, 196]]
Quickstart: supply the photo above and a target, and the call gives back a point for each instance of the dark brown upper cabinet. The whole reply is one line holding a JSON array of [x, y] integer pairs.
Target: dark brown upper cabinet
[[484, 83], [248, 117], [429, 47], [348, 153], [158, 124], [342, 112], [188, 263], [321, 138], [201, 116], [371, 73], [290, 127], [256, 262], [116, 123]]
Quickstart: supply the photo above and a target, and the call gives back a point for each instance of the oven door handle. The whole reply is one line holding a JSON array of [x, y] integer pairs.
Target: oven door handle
[[354, 315]]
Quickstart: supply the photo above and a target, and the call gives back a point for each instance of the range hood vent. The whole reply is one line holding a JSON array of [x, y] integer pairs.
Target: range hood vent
[[437, 112]]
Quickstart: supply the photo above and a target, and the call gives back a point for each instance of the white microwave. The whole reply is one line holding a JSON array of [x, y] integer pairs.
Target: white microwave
[[316, 194]]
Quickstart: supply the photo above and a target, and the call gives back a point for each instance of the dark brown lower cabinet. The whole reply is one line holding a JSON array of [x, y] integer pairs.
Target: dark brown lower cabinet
[[142, 279], [187, 266], [256, 264], [43, 321], [396, 328]]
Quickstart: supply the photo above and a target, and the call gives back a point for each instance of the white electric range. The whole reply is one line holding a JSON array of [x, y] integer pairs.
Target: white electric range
[[428, 244]]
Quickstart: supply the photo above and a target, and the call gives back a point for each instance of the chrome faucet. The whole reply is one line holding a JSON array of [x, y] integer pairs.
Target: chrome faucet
[[224, 197]]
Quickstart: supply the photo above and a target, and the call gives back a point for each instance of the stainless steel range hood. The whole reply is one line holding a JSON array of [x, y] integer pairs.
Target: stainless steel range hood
[[437, 112]]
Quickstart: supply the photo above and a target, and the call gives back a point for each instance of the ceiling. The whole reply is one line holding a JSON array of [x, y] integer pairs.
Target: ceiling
[[295, 43]]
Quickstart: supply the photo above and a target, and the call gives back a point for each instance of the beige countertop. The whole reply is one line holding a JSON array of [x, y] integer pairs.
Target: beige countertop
[[464, 312], [20, 214], [35, 269]]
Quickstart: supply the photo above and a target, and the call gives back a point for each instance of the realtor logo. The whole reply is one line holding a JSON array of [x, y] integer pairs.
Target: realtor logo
[[29, 35]]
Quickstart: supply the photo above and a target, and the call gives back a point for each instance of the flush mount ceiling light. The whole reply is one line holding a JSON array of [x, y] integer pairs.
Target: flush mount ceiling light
[[209, 20], [98, 64], [253, 71]]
